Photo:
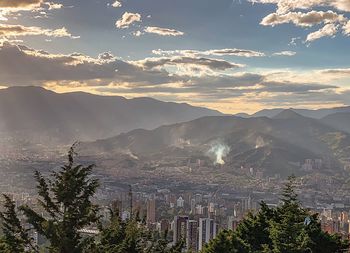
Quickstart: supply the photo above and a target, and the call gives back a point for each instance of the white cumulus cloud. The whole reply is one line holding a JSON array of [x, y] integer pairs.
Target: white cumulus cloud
[[302, 19], [127, 19], [328, 30], [307, 14], [9, 31], [117, 4], [163, 31], [285, 53]]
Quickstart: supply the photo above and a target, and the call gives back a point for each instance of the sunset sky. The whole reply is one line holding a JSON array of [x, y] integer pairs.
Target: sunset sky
[[233, 56]]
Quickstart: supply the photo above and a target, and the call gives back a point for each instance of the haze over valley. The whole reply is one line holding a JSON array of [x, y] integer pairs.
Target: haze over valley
[[158, 126]]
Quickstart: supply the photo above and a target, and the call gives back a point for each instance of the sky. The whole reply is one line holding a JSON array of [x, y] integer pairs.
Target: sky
[[229, 55]]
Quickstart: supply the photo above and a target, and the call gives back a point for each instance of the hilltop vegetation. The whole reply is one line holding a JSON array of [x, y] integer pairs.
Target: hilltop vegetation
[[275, 145]]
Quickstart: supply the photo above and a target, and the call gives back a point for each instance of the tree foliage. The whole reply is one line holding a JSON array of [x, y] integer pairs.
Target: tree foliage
[[66, 200], [16, 238], [132, 236], [279, 230]]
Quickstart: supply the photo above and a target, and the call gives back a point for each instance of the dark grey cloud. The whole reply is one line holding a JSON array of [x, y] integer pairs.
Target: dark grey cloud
[[215, 64], [293, 87], [20, 65]]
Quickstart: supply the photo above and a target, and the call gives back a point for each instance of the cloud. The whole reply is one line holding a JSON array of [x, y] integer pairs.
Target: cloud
[[283, 87], [285, 53], [234, 52], [195, 62], [21, 65], [213, 52], [8, 7], [346, 29], [107, 56], [54, 6], [345, 72], [117, 4], [20, 4], [137, 33], [219, 85], [302, 19], [9, 31], [163, 31], [284, 6], [127, 19], [332, 19], [329, 30]]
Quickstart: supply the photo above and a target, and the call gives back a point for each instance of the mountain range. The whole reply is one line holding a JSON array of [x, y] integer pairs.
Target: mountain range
[[39, 114], [280, 144], [274, 141], [316, 114]]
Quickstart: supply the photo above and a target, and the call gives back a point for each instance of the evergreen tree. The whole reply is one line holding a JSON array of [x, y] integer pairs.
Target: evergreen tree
[[227, 241], [67, 202], [113, 235], [131, 236], [16, 238], [255, 229], [288, 228], [159, 244]]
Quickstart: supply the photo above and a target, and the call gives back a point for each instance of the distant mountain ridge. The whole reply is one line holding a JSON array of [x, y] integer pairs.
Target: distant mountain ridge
[[275, 145], [34, 112], [316, 114]]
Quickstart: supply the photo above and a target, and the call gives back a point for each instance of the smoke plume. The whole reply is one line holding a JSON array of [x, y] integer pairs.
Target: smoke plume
[[260, 142], [219, 151]]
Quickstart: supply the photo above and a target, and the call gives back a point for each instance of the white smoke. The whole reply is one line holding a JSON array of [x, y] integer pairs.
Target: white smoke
[[131, 155], [260, 142], [219, 151], [181, 143]]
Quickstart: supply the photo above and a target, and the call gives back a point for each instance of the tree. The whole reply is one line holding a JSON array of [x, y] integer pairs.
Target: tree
[[67, 202], [131, 236], [287, 231], [280, 230], [227, 241], [16, 238], [255, 229], [112, 236]]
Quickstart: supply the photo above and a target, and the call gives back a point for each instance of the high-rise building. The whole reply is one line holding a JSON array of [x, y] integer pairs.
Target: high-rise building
[[180, 228], [164, 225], [193, 206], [192, 236], [151, 211], [232, 223], [180, 202], [207, 231]]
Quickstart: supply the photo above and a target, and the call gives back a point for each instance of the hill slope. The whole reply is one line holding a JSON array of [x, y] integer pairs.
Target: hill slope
[[36, 113], [316, 114], [340, 121], [278, 145]]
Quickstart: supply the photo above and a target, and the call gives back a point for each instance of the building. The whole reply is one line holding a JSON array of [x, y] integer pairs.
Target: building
[[180, 228], [246, 204], [180, 202], [164, 226], [207, 231], [192, 236], [151, 211], [232, 223]]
